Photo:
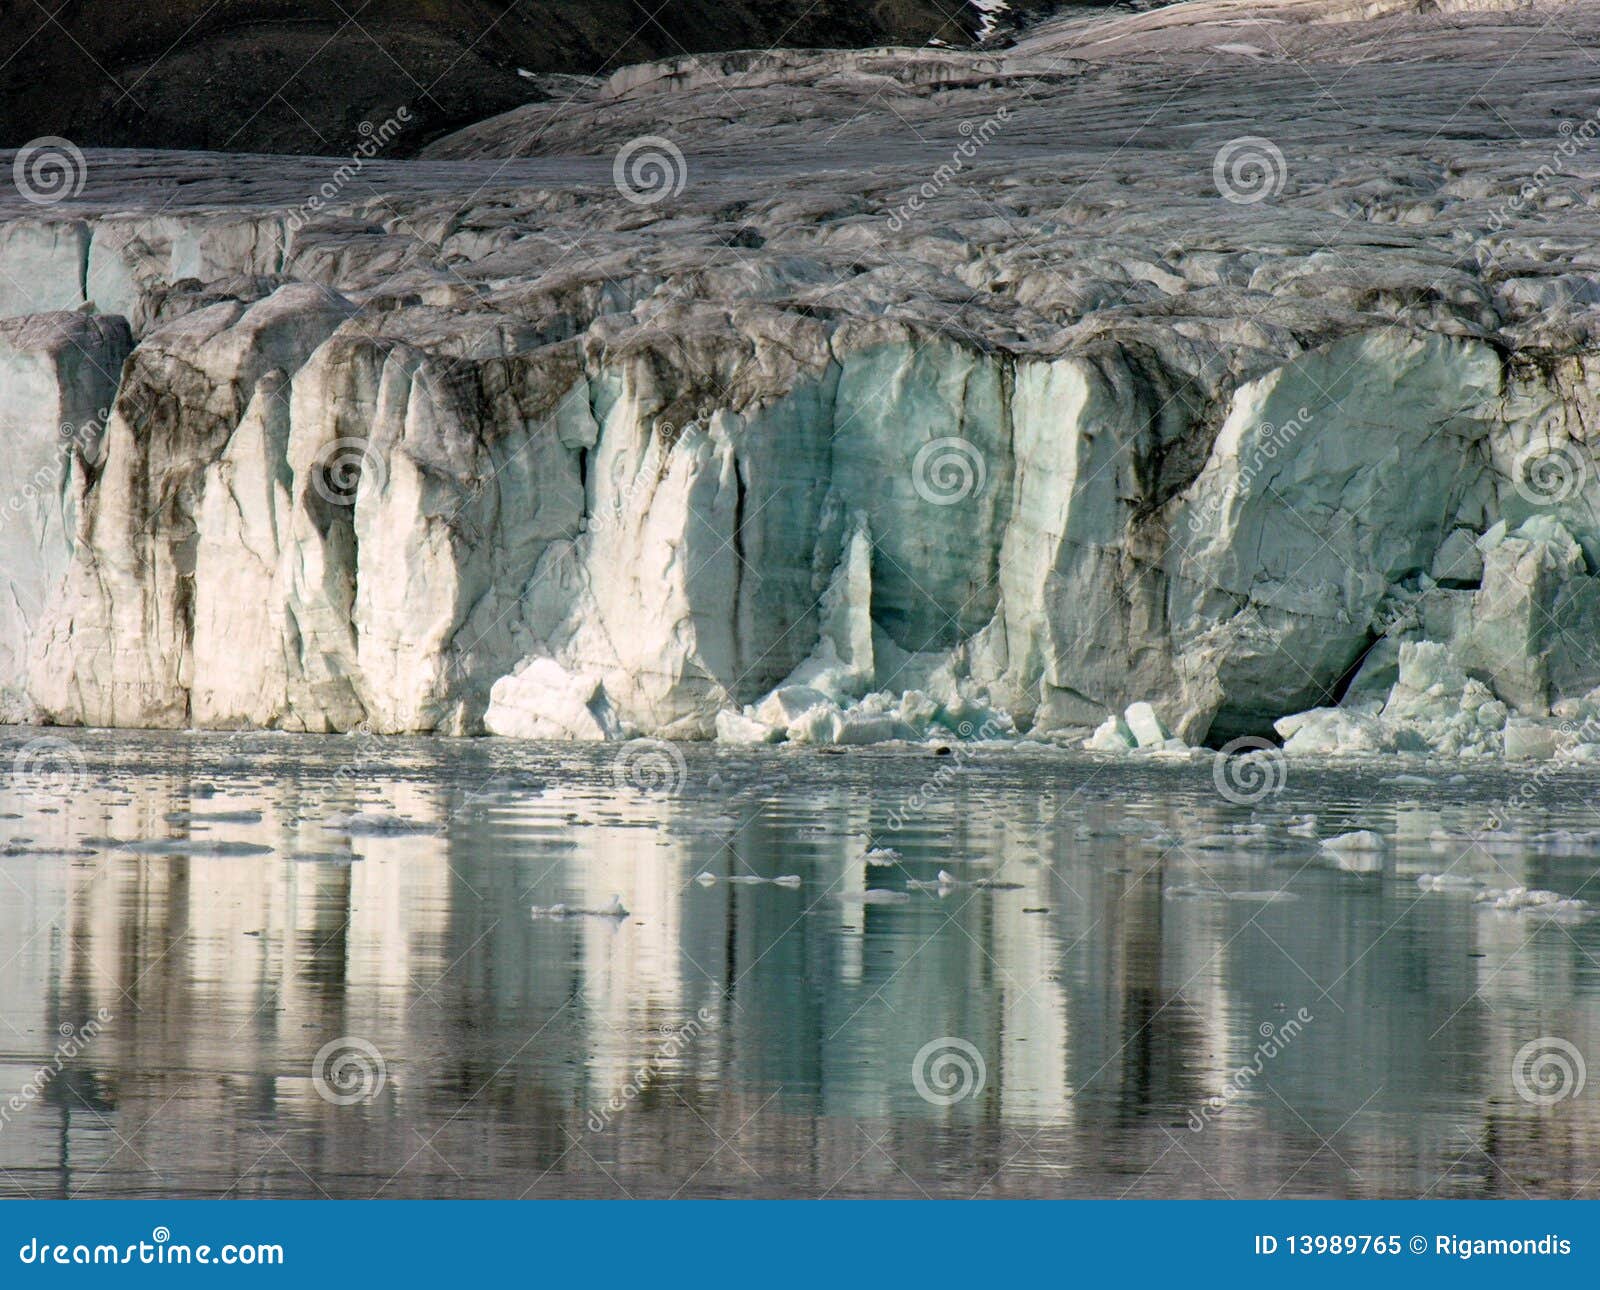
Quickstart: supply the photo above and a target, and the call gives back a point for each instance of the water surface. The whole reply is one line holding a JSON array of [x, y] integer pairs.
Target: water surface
[[187, 922]]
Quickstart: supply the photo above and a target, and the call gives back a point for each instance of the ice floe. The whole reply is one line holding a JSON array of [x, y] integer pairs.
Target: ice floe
[[1536, 902], [707, 879], [1439, 882], [212, 817], [1360, 841], [614, 908], [219, 849], [376, 824], [947, 882]]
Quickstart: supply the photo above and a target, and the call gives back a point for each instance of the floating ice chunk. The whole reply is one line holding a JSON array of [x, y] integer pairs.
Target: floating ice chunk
[[194, 847], [1332, 731], [1536, 902], [881, 857], [966, 713], [1447, 882], [1569, 910], [1530, 740], [1570, 841], [1304, 826], [736, 728], [228, 849], [1194, 892], [873, 721], [1516, 897], [1433, 707], [324, 857], [947, 882], [1113, 736], [919, 711], [1147, 729], [212, 817], [854, 726], [815, 726], [1361, 841], [789, 704], [542, 700], [614, 908], [376, 823], [756, 880]]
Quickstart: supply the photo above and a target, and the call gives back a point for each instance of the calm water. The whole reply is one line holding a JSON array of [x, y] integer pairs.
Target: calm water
[[182, 934]]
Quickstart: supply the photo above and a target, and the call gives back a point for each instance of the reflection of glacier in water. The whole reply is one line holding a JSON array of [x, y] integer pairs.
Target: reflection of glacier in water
[[1063, 1037]]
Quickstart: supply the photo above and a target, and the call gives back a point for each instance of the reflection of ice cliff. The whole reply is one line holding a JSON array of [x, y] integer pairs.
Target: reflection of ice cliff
[[1113, 994]]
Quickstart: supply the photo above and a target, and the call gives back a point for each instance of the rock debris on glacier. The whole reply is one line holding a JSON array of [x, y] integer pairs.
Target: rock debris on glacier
[[944, 395]]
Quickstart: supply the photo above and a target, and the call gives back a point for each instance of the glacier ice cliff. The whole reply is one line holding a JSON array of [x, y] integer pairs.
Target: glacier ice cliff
[[994, 413]]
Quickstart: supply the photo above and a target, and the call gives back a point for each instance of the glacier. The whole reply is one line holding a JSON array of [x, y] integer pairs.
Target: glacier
[[941, 395]]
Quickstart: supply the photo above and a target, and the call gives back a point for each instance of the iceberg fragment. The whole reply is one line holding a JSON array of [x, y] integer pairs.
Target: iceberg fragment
[[542, 700]]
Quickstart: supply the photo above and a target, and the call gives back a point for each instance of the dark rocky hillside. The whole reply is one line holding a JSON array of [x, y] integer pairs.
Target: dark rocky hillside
[[301, 76]]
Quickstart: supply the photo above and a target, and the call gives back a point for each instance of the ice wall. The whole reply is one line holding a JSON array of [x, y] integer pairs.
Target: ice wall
[[304, 517]]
